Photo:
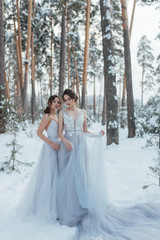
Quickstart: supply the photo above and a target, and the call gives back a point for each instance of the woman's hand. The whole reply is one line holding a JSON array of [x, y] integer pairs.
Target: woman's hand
[[55, 146], [68, 145], [102, 132]]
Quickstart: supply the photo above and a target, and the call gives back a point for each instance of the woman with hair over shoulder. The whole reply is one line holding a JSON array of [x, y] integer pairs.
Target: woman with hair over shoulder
[[39, 199]]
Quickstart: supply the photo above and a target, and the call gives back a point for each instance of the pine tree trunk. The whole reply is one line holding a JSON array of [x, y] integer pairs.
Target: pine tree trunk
[[99, 102], [142, 86], [68, 54], [19, 48], [41, 93], [85, 63], [33, 97], [24, 92], [73, 84], [7, 87], [124, 80], [62, 56], [19, 80], [132, 18], [122, 123], [109, 74], [128, 72], [104, 106], [2, 71], [51, 67], [75, 64], [94, 97]]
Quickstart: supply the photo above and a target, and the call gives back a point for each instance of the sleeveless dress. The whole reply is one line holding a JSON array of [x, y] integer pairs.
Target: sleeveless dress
[[39, 199], [82, 198]]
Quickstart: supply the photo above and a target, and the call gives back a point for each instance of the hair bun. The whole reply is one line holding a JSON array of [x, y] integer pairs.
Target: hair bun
[[47, 110]]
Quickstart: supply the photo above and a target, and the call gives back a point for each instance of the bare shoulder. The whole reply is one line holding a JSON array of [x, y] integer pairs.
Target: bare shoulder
[[46, 118]]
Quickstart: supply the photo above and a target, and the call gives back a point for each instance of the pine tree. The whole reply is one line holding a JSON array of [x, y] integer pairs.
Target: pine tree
[[145, 60], [128, 71], [109, 74]]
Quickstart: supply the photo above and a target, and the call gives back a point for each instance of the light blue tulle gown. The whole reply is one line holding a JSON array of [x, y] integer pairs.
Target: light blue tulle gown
[[39, 199], [82, 195]]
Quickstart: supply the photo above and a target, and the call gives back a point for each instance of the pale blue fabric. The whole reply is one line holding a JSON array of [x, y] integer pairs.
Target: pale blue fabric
[[82, 193], [39, 199]]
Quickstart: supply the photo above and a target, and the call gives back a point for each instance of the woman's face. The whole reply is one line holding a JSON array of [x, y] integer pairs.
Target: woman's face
[[69, 101], [55, 104]]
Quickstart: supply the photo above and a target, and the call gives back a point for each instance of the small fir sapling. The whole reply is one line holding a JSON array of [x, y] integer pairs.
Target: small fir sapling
[[11, 164], [155, 172]]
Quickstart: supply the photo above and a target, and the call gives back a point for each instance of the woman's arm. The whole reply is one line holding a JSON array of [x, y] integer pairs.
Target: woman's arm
[[46, 120], [60, 132]]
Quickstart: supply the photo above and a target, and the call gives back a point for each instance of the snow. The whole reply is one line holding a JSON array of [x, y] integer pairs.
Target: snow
[[107, 35], [111, 58], [126, 167], [113, 124], [111, 70]]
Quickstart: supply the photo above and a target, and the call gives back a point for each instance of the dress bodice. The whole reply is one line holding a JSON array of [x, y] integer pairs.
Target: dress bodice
[[72, 126], [52, 131]]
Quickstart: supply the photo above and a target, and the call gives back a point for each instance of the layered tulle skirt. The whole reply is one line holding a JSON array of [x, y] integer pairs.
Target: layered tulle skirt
[[39, 200], [83, 201]]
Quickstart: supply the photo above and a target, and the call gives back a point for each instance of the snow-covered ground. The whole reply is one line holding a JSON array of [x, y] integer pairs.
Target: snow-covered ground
[[126, 169]]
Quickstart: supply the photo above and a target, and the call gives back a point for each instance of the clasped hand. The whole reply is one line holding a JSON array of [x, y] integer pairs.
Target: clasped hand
[[55, 146], [68, 145]]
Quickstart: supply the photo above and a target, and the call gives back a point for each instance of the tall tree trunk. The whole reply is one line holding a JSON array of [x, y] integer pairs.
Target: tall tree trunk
[[41, 93], [94, 97], [85, 63], [62, 55], [73, 84], [128, 72], [7, 87], [51, 66], [24, 92], [124, 80], [19, 48], [132, 18], [33, 97], [19, 79], [2, 71], [75, 64], [104, 105], [109, 74], [68, 53], [142, 86], [99, 102]]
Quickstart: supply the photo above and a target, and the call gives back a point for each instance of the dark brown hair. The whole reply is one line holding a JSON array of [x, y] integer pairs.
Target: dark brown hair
[[70, 93], [50, 100]]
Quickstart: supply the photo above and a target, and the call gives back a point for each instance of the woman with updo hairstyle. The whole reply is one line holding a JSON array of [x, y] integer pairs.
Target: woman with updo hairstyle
[[71, 94], [73, 157], [82, 194], [40, 196]]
